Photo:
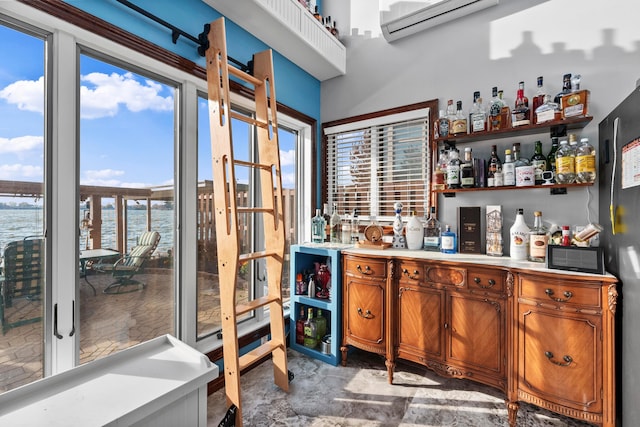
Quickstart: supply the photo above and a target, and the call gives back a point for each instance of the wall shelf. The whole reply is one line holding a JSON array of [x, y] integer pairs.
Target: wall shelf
[[558, 127], [289, 28], [554, 188]]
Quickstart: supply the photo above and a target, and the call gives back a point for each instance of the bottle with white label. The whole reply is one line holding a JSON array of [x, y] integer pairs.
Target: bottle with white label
[[538, 239], [508, 169], [519, 237]]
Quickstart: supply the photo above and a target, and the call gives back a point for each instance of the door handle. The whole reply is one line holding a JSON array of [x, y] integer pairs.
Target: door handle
[[55, 322], [73, 318]]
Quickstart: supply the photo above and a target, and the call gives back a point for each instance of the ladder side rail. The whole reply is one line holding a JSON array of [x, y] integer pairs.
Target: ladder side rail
[[225, 204]]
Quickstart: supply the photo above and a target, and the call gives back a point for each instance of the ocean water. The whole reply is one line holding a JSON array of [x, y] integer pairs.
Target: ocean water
[[16, 224]]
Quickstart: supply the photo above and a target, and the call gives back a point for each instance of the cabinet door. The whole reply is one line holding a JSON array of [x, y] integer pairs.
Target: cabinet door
[[476, 333], [420, 323], [559, 358], [364, 303]]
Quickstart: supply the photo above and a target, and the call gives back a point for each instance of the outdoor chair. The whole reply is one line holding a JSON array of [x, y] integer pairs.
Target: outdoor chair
[[131, 264], [21, 276]]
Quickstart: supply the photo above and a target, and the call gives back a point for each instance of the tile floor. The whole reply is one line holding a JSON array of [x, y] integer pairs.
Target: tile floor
[[359, 395]]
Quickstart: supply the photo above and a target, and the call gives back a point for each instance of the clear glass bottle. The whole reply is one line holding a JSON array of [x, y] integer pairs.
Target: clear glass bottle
[[539, 163], [467, 179], [565, 164], [439, 174], [585, 162], [495, 108], [318, 225], [520, 115], [448, 241], [355, 227], [494, 165], [326, 214], [335, 225], [519, 237], [443, 125], [522, 168], [551, 157], [345, 229], [460, 122], [451, 114], [414, 233], [479, 117], [453, 169], [539, 99], [310, 330], [432, 231], [508, 169], [538, 239], [548, 111]]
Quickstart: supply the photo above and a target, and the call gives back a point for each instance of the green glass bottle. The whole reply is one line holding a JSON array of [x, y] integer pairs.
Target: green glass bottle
[[539, 163]]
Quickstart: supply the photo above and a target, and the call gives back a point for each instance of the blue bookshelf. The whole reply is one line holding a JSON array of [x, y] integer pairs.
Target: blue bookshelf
[[303, 259]]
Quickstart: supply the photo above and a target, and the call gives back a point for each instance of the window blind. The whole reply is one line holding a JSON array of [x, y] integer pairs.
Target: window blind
[[371, 165]]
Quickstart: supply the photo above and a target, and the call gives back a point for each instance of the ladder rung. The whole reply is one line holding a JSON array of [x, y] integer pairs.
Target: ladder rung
[[244, 76], [249, 120], [252, 164], [256, 255], [256, 303], [257, 354], [254, 210]]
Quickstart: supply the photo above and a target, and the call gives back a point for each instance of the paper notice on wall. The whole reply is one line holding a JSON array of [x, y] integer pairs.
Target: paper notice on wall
[[631, 164]]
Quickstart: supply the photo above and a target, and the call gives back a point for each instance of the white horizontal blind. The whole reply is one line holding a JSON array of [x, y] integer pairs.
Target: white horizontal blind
[[370, 168]]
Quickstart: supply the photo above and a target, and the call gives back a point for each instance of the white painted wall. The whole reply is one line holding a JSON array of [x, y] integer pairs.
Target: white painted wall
[[516, 40]]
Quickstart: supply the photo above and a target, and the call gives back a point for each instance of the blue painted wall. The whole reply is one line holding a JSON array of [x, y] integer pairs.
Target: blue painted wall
[[294, 87]]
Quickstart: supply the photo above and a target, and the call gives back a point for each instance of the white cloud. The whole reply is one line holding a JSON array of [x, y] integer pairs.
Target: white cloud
[[101, 95], [102, 177], [18, 172], [104, 94], [28, 95], [287, 158], [288, 180], [21, 144]]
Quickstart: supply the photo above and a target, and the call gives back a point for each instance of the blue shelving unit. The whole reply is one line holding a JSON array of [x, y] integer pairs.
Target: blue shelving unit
[[304, 257]]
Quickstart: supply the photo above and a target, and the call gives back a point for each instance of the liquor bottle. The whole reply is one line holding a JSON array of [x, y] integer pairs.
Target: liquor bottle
[[355, 227], [520, 115], [399, 241], [443, 160], [432, 231], [443, 125], [523, 170], [495, 107], [460, 122], [505, 112], [310, 330], [495, 165], [576, 103], [335, 223], [317, 14], [508, 169], [327, 23], [551, 157], [565, 164], [453, 169], [585, 162], [300, 327], [321, 325], [414, 233], [327, 219], [539, 99], [345, 229], [448, 242], [466, 170], [539, 163], [439, 175], [548, 111], [476, 95], [566, 89], [334, 30], [451, 114], [519, 237], [301, 285], [538, 239], [318, 226], [478, 117]]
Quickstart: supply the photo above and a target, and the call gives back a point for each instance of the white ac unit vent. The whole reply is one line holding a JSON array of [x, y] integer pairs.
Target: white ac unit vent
[[406, 18]]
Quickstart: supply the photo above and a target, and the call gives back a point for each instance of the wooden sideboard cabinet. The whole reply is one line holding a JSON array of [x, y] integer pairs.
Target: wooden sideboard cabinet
[[541, 336], [565, 347]]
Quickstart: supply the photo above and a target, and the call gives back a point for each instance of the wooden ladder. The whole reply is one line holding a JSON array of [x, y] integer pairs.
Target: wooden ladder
[[227, 213]]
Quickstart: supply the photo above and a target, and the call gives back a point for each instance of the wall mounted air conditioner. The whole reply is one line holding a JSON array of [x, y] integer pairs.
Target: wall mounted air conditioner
[[406, 18]]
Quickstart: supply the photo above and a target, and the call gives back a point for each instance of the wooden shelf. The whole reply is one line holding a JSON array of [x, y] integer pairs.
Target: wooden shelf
[[556, 188], [555, 126]]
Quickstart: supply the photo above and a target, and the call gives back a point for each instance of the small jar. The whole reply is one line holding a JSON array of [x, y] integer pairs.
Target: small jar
[[566, 236]]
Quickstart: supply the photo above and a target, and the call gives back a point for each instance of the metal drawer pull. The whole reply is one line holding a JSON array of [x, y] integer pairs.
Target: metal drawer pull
[[415, 275], [568, 359], [367, 269], [367, 314], [567, 295], [478, 280]]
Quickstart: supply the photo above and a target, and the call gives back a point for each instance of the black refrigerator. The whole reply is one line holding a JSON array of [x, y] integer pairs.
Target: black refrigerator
[[619, 213]]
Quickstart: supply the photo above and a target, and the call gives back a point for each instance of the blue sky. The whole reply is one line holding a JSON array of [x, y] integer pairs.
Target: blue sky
[[126, 129]]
